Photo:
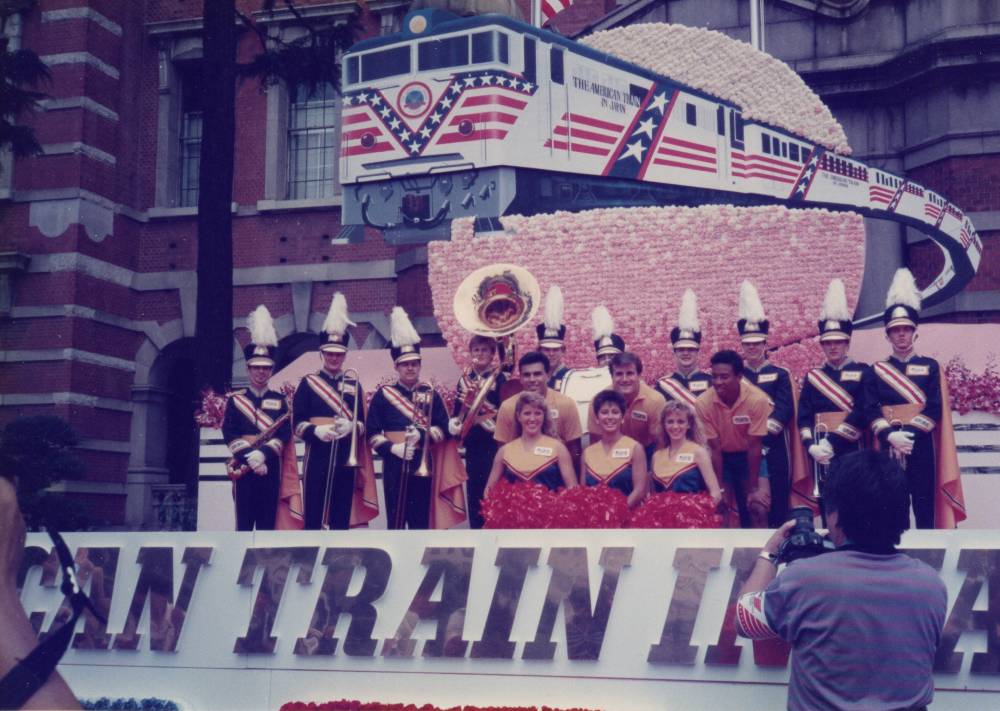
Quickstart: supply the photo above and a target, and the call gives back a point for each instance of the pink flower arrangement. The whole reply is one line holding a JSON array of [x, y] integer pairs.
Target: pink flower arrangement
[[973, 391], [212, 410], [638, 261], [767, 89]]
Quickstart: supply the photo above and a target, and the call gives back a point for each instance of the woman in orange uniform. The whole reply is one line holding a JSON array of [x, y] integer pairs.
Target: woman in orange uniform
[[615, 460], [683, 465]]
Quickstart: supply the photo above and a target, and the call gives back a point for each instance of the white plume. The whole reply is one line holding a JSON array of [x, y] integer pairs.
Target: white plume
[[401, 330], [554, 307], [336, 322], [750, 306], [604, 325], [261, 327], [687, 316], [835, 303], [903, 290]]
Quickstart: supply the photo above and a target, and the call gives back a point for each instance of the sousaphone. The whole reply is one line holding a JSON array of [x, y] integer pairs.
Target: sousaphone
[[495, 301]]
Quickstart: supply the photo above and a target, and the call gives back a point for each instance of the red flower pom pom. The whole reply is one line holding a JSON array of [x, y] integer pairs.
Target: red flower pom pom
[[673, 510], [589, 507], [517, 505]]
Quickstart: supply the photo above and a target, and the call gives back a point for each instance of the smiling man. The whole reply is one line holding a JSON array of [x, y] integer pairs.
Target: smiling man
[[687, 382], [643, 405]]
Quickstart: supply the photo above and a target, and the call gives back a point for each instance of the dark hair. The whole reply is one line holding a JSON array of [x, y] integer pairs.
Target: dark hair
[[730, 358], [868, 491], [532, 357], [605, 396], [478, 340], [620, 360]]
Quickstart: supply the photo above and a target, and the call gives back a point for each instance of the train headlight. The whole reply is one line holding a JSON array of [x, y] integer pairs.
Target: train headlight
[[418, 23], [465, 127], [368, 140]]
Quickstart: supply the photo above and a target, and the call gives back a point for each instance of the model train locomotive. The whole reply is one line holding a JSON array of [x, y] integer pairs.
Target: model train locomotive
[[485, 116]]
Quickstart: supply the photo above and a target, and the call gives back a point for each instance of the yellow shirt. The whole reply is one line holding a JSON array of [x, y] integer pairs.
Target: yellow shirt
[[563, 415], [642, 417], [732, 426]]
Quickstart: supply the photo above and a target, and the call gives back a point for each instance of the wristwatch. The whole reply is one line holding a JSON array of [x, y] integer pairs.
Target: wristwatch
[[769, 557]]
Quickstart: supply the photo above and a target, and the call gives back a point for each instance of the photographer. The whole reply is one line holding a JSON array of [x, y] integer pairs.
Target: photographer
[[864, 620], [18, 639]]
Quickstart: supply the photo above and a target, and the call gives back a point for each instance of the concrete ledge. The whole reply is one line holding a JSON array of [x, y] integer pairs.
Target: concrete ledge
[[86, 13], [64, 398], [292, 205], [105, 445]]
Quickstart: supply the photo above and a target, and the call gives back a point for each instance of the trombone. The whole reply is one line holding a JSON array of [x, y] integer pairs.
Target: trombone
[[820, 471], [423, 401], [352, 388]]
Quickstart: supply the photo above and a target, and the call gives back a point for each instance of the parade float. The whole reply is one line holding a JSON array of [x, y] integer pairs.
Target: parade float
[[622, 175]]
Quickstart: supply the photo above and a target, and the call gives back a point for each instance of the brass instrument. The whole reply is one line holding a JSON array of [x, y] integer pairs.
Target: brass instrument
[[900, 457], [235, 469], [820, 471], [352, 456], [423, 402]]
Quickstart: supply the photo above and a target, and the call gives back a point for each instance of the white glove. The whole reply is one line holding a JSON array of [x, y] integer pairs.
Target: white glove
[[326, 433], [402, 451], [822, 452], [257, 462], [901, 441], [341, 427], [454, 426], [489, 425], [413, 436]]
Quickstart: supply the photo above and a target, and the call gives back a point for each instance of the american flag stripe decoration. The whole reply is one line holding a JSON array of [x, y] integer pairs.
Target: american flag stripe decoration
[[551, 8]]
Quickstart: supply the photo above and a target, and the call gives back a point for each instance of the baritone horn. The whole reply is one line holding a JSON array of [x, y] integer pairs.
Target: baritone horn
[[494, 301]]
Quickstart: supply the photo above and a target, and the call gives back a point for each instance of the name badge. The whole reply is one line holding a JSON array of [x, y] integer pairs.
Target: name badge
[[767, 378], [918, 370], [271, 404], [697, 385], [741, 419], [621, 453], [544, 451], [639, 415], [847, 375], [685, 458], [553, 413]]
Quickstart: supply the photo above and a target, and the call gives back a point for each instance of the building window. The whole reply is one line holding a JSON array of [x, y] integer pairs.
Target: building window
[[312, 158], [190, 133]]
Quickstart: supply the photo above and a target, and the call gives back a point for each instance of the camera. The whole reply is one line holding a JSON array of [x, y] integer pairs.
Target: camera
[[802, 541]]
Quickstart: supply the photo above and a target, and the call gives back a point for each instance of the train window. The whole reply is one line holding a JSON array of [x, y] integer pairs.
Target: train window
[[443, 53], [556, 65], [765, 143], [351, 71], [489, 47], [529, 59], [784, 149], [387, 63], [720, 121], [793, 152], [739, 127], [692, 114]]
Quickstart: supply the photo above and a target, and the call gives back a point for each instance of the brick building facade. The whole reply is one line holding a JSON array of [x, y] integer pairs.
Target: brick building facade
[[97, 259]]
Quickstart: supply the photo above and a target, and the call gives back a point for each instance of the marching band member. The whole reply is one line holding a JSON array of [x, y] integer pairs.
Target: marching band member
[[480, 447], [683, 465], [643, 405], [687, 382], [831, 407], [403, 418], [533, 454], [907, 401], [533, 368], [734, 414], [257, 428], [323, 408], [777, 384], [614, 459], [552, 337], [607, 343]]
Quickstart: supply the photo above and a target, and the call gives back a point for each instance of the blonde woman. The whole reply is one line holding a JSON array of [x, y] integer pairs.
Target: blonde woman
[[534, 455], [683, 465]]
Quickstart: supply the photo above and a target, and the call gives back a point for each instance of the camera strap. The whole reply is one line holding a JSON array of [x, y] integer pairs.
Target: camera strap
[[30, 674]]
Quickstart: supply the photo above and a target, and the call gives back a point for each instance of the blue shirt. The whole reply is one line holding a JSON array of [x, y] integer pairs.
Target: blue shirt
[[863, 627]]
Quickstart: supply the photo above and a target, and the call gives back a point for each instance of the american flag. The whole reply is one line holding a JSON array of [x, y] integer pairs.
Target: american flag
[[749, 165], [686, 154], [880, 193], [578, 133], [805, 179], [474, 106], [633, 153], [551, 8], [931, 210]]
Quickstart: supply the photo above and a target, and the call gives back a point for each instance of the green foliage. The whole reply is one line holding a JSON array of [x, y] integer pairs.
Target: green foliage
[[311, 59], [21, 72], [38, 451]]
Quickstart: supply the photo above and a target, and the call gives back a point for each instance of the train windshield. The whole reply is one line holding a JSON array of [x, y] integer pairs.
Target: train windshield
[[379, 65], [455, 51]]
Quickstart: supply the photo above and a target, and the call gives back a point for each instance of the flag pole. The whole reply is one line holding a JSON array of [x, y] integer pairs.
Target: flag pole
[[536, 13]]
